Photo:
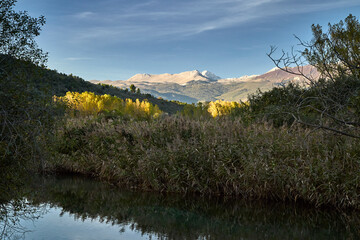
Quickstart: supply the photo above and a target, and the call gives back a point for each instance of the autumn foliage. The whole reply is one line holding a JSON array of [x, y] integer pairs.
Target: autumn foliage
[[218, 108], [88, 103], [222, 108]]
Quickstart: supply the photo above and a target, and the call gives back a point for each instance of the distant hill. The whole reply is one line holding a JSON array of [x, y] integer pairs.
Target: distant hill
[[194, 86]]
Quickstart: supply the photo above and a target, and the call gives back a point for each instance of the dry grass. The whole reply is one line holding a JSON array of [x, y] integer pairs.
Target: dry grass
[[216, 156]]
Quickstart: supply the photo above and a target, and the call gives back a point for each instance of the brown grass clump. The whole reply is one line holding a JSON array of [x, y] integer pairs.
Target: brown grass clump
[[215, 156]]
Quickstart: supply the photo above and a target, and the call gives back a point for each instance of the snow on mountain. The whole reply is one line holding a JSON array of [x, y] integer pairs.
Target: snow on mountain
[[179, 78], [210, 75], [199, 86], [273, 69], [274, 75], [244, 78]]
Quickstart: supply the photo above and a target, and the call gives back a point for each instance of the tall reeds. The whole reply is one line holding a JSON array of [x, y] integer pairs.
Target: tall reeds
[[215, 156]]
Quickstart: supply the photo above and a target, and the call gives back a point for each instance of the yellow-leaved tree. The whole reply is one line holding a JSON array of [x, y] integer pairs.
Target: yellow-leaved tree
[[88, 103], [223, 108]]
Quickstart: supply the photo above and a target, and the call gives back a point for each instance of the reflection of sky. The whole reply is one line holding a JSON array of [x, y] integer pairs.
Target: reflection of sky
[[115, 39], [66, 227]]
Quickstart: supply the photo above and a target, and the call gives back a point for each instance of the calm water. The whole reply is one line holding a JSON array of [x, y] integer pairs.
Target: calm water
[[76, 208]]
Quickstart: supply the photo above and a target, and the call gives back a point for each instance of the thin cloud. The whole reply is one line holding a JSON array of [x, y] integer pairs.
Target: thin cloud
[[84, 15], [142, 5], [78, 58], [161, 19]]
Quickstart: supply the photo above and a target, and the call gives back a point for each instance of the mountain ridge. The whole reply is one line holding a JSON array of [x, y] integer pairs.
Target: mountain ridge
[[179, 78], [193, 86]]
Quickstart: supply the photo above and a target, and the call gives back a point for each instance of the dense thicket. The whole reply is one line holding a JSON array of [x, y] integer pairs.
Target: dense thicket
[[336, 110], [214, 156], [24, 110], [331, 103]]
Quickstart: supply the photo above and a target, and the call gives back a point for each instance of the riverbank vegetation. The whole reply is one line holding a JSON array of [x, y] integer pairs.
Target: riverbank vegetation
[[293, 143], [220, 157]]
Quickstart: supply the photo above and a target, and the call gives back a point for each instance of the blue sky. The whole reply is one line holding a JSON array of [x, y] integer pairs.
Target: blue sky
[[115, 39]]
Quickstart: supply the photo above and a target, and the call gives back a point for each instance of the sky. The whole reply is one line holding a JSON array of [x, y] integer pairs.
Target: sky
[[116, 39]]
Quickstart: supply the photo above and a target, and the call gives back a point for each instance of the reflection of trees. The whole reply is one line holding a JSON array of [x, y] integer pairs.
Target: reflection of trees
[[11, 215], [174, 217]]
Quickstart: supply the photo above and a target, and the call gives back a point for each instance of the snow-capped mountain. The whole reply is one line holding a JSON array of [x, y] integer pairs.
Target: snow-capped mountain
[[193, 86], [179, 78]]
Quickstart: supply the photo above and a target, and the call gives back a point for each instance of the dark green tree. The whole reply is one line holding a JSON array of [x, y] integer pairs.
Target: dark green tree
[[132, 88], [337, 52], [24, 110], [18, 32], [333, 100]]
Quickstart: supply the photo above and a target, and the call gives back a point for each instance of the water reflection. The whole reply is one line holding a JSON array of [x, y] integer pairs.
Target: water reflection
[[13, 213], [90, 206]]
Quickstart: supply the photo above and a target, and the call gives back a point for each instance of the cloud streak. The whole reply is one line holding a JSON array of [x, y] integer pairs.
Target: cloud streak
[[165, 19], [84, 15], [78, 58]]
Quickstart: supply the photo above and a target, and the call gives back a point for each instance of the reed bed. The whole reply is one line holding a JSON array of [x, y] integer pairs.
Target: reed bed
[[214, 157]]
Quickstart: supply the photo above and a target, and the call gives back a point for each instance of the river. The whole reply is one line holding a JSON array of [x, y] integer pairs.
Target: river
[[77, 208]]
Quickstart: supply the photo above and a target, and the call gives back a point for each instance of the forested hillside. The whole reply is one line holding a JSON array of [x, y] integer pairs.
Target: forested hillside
[[55, 83]]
